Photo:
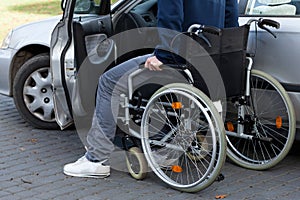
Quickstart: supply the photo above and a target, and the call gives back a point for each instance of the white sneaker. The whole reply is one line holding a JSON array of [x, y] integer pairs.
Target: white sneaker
[[85, 168]]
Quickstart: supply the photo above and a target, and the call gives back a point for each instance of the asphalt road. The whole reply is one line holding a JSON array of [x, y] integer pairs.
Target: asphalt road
[[31, 162]]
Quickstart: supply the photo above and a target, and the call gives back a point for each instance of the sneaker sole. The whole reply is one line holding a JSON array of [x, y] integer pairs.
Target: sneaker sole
[[87, 175]]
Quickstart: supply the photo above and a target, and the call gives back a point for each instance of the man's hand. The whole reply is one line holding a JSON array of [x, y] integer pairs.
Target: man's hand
[[153, 64]]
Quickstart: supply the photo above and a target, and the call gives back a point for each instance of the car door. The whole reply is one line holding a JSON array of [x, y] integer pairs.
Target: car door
[[278, 56], [83, 28]]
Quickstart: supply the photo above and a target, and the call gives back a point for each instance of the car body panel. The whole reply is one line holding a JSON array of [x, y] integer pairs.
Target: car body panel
[[41, 35], [23, 36], [68, 46], [270, 55], [60, 40], [6, 56], [279, 56]]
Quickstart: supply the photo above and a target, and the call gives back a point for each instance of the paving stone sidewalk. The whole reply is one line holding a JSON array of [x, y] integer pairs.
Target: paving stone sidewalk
[[31, 162]]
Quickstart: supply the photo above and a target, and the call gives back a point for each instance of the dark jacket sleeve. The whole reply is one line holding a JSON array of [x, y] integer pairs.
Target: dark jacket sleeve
[[170, 16]]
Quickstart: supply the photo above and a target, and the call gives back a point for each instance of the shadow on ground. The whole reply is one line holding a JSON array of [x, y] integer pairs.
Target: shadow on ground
[[296, 148]]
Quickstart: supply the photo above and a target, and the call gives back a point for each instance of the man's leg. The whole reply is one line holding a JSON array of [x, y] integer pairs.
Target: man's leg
[[102, 131], [111, 85]]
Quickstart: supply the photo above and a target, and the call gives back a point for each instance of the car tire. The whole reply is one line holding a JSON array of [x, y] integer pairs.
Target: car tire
[[33, 93]]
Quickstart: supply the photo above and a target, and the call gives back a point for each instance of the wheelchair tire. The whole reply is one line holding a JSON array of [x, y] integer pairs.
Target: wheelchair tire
[[270, 120], [136, 163], [169, 154]]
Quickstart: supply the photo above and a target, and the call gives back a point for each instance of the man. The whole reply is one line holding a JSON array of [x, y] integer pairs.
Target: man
[[176, 15]]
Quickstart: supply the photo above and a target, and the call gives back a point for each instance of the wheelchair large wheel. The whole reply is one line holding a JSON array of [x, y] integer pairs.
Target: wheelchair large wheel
[[268, 124], [189, 155]]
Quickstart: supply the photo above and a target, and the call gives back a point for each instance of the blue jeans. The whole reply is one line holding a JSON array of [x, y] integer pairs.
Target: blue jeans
[[102, 132]]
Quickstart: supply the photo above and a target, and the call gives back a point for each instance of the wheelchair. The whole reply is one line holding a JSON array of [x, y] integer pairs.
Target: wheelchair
[[182, 124]]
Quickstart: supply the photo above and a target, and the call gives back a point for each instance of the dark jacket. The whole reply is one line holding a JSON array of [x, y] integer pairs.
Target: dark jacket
[[178, 15]]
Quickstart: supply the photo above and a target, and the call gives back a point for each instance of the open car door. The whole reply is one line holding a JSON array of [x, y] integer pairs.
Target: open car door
[[83, 25]]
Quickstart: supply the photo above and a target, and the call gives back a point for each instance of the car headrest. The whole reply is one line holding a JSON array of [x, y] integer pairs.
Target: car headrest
[[275, 10], [273, 2]]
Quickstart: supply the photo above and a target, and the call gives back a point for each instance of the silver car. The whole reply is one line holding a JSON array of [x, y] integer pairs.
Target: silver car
[[64, 42]]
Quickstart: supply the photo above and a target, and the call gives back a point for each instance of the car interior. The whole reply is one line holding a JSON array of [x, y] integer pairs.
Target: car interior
[[141, 15], [273, 7], [89, 28]]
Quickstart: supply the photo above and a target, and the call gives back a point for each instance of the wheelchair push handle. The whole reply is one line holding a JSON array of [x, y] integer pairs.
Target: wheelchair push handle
[[262, 23], [198, 28], [268, 22], [212, 30]]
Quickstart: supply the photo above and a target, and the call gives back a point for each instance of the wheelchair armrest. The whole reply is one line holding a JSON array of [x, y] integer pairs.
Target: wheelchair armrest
[[173, 66], [176, 66]]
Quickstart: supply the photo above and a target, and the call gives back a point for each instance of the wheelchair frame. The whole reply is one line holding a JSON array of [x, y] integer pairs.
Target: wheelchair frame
[[266, 145]]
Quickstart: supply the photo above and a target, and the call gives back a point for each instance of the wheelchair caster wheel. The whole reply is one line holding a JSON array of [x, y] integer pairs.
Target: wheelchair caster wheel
[[136, 163]]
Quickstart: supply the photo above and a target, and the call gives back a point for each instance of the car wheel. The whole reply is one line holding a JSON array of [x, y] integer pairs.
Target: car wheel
[[33, 93]]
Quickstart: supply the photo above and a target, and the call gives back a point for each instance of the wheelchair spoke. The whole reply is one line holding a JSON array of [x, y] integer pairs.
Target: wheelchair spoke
[[179, 139], [268, 121]]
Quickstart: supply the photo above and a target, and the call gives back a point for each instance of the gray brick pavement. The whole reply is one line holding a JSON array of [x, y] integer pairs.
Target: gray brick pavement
[[31, 162]]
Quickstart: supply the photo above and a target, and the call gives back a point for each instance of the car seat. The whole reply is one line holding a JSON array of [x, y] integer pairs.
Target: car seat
[[274, 7]]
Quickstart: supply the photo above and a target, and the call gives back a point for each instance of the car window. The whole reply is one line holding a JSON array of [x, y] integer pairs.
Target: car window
[[271, 7], [87, 6]]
